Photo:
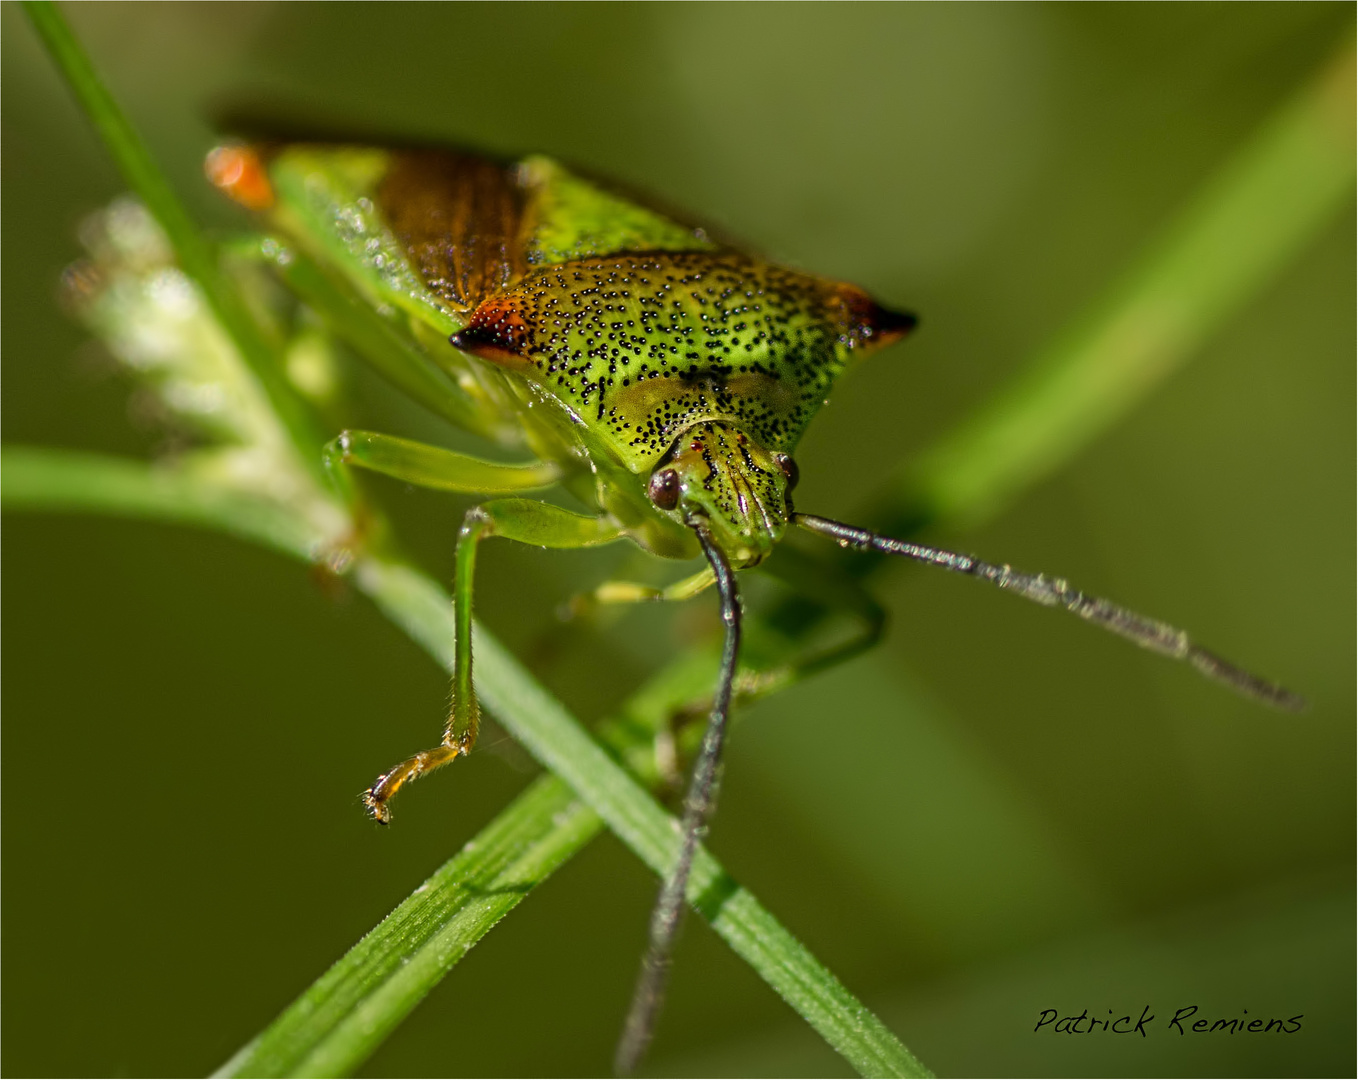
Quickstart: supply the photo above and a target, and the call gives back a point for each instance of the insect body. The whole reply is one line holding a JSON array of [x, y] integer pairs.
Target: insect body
[[711, 362], [662, 377]]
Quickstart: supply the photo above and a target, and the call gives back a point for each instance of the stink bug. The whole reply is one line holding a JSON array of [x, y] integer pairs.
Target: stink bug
[[659, 375]]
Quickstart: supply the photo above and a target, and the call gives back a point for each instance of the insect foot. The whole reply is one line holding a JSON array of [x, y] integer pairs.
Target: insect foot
[[376, 798], [377, 809]]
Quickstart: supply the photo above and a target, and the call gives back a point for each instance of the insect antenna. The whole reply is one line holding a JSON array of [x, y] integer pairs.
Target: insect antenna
[[698, 807], [1057, 592]]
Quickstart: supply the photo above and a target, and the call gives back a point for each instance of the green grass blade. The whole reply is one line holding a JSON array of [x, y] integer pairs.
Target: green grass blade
[[546, 730], [1247, 223], [195, 255], [369, 991], [71, 481], [347, 1013]]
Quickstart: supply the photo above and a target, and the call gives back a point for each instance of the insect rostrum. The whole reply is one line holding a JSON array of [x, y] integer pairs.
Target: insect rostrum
[[663, 378]]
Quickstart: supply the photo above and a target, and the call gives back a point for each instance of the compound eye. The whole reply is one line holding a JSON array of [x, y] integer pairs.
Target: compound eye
[[664, 489], [790, 470]]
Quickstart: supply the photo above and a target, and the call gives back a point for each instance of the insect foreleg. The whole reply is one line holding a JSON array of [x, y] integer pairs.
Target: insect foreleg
[[1057, 592], [523, 520], [631, 592], [432, 467], [698, 807]]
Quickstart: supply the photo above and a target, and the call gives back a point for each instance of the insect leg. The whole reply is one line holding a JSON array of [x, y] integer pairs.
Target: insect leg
[[698, 806], [774, 657], [822, 588], [1057, 592], [618, 593], [432, 467], [523, 520], [631, 592]]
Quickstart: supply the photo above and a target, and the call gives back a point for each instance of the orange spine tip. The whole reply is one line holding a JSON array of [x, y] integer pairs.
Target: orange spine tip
[[239, 172]]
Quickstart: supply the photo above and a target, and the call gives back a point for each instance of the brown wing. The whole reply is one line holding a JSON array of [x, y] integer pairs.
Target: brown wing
[[458, 217]]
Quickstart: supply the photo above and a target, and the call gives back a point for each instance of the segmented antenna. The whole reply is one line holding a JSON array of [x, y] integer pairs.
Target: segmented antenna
[[1057, 592], [698, 807]]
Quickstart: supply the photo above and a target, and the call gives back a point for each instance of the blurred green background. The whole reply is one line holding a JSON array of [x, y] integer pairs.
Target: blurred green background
[[998, 812]]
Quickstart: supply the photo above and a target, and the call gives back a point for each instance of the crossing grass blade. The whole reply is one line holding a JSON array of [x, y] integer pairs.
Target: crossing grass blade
[[333, 1027], [349, 1011]]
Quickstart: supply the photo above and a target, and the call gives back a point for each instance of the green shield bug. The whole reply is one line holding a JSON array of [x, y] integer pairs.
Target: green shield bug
[[659, 375]]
